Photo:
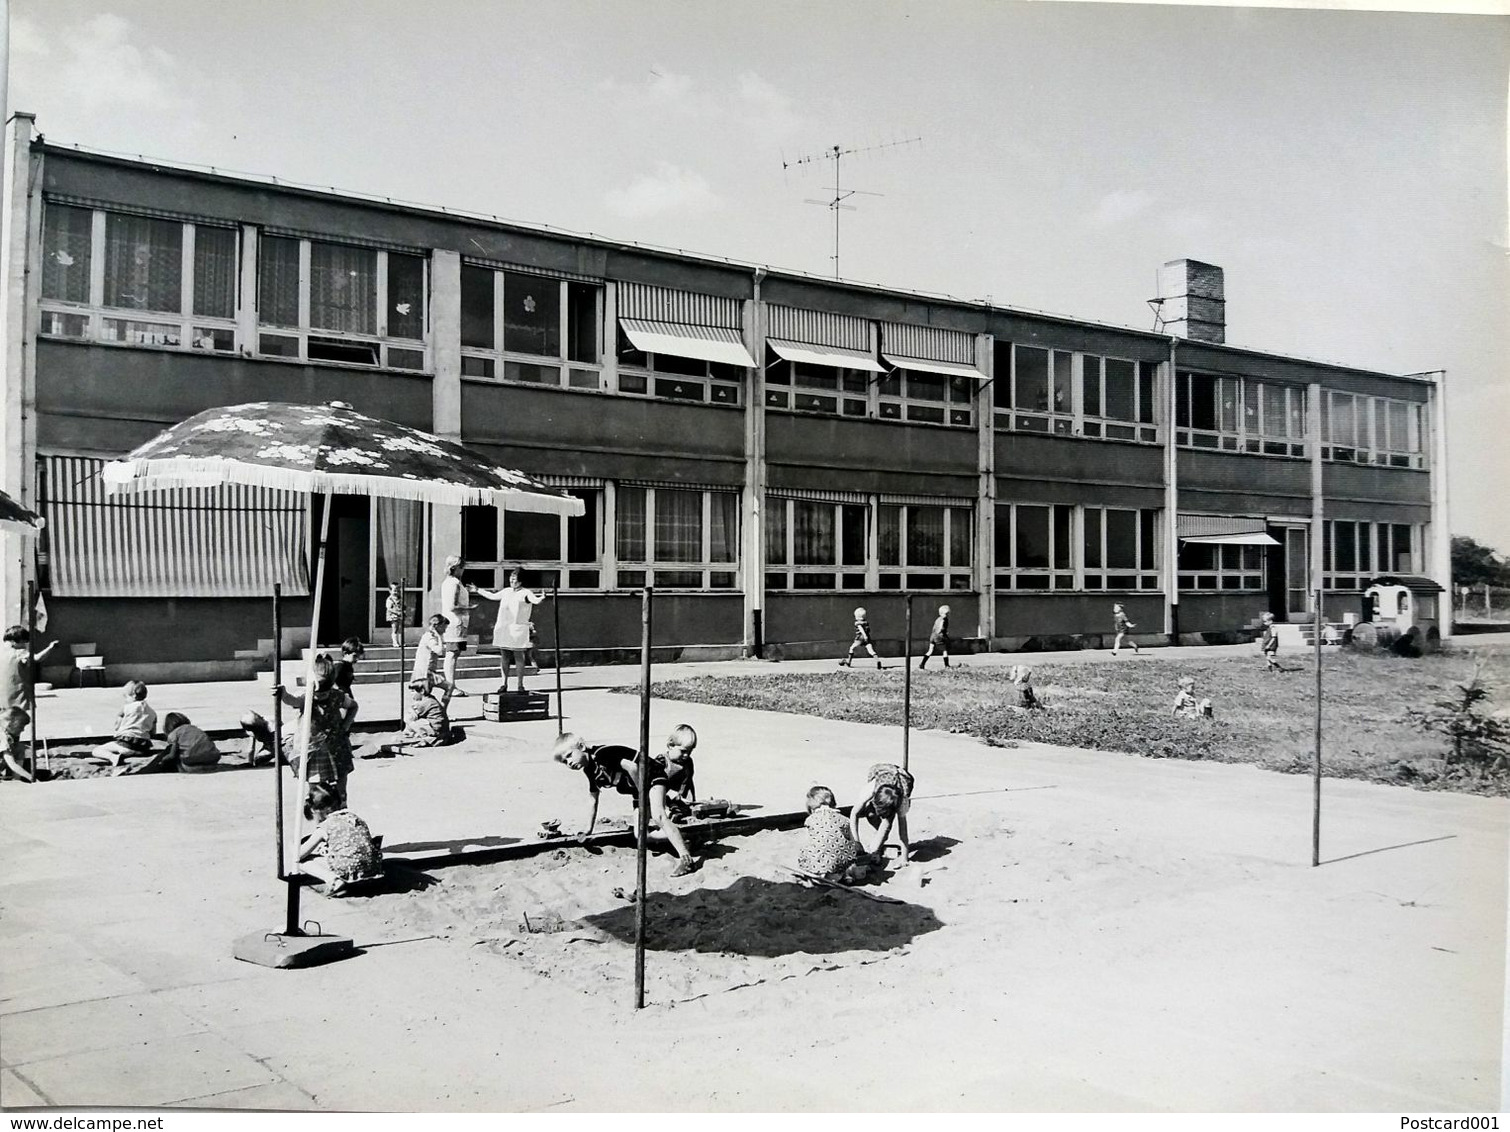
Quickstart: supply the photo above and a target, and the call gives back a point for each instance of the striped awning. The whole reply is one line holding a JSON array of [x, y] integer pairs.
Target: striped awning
[[835, 356], [928, 365], [683, 340], [223, 541], [1223, 530]]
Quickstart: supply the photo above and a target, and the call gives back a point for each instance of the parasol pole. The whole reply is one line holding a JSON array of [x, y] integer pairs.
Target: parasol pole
[[31, 674], [907, 686], [642, 815], [277, 723], [307, 719], [403, 621], [556, 629], [1316, 789]]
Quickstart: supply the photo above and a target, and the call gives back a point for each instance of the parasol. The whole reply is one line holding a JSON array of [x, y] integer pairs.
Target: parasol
[[325, 449]]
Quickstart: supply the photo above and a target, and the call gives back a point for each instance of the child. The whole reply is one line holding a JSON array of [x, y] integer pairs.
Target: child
[[938, 638], [329, 746], [887, 798], [134, 726], [1122, 625], [1185, 704], [18, 676], [350, 851], [393, 610], [188, 750], [352, 650], [831, 851], [1023, 696], [431, 645], [681, 789], [616, 767], [862, 639], [429, 725], [259, 740], [1268, 643]]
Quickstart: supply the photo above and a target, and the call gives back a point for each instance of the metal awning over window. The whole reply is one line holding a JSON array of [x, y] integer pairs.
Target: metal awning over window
[[928, 365], [223, 541], [835, 356], [702, 343], [1223, 530]]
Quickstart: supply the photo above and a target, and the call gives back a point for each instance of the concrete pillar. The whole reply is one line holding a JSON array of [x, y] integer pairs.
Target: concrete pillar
[[985, 495], [1171, 544], [445, 404], [18, 319], [1318, 492], [752, 538], [1438, 555], [246, 291]]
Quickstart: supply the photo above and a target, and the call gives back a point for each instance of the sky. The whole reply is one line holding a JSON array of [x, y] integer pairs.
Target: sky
[[1346, 169]]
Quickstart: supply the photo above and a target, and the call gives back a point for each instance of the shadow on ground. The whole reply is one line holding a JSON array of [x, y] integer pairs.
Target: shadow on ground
[[932, 848], [757, 917]]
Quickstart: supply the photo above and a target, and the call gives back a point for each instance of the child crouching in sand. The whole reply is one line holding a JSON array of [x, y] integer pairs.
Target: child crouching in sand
[[886, 799], [351, 852], [134, 726], [831, 852], [615, 767]]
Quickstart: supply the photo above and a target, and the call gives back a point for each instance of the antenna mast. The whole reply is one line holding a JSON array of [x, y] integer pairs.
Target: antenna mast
[[836, 204]]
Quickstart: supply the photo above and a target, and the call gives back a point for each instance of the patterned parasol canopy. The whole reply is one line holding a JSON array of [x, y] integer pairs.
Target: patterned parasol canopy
[[327, 449], [14, 517]]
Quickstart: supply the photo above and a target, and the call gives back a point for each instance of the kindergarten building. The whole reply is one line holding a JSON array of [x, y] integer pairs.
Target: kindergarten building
[[768, 449]]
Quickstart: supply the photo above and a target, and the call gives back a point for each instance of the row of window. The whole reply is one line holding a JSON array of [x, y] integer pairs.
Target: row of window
[[1353, 552], [142, 280]]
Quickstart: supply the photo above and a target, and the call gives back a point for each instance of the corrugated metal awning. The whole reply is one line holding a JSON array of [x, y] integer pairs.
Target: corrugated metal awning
[[1256, 538], [1190, 527], [835, 356], [928, 365], [703, 343]]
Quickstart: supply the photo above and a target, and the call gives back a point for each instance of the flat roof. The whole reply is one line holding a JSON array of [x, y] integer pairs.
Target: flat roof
[[383, 203]]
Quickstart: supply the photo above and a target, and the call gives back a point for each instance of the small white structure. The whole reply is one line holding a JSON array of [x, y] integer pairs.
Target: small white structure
[[1402, 613]]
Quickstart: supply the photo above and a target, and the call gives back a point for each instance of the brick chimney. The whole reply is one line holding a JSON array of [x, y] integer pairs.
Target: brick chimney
[[1192, 300]]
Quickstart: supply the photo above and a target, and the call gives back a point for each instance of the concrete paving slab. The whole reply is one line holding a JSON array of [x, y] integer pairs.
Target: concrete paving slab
[[82, 1027], [279, 1096], [16, 1093], [150, 1075], [55, 985]]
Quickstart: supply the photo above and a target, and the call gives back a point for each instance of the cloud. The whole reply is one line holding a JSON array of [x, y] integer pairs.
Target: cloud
[[26, 39], [766, 108], [1119, 206], [99, 67], [670, 188], [749, 104]]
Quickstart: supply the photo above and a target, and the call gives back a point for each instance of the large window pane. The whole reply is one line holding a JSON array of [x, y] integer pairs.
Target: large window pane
[[342, 288], [1032, 378], [1146, 372], [143, 263], [582, 341], [1001, 542], [1149, 561], [889, 535], [629, 524], [723, 526], [1064, 383], [775, 532], [1119, 390], [531, 314], [1276, 416], [278, 281], [813, 542], [66, 239], [1404, 561], [1229, 390], [1032, 537], [960, 537], [678, 526], [479, 534], [1202, 402], [1091, 539], [1062, 545], [215, 272], [530, 535], [852, 552], [477, 307], [582, 530], [406, 296], [925, 536], [1090, 384], [1121, 540], [1345, 552]]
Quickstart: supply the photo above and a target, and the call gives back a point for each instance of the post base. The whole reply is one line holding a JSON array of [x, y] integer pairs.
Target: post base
[[275, 949]]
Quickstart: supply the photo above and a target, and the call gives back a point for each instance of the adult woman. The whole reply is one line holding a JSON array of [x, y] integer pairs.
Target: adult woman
[[511, 631], [455, 608]]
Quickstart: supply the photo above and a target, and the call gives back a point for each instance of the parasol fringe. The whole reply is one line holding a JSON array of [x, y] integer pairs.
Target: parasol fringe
[[140, 475]]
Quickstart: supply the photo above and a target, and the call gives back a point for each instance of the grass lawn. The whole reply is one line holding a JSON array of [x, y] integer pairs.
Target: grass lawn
[[1262, 718]]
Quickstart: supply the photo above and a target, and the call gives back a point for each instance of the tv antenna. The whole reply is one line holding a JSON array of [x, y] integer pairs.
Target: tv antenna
[[835, 203]]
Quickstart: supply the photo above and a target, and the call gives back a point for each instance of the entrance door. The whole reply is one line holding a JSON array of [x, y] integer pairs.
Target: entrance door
[[1297, 573], [343, 611]]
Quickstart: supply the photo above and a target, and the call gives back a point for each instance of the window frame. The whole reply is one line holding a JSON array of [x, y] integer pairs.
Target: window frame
[[901, 576], [385, 344], [1262, 438], [569, 575], [1097, 579], [786, 574], [640, 374], [1010, 576], [1069, 371], [182, 329], [1373, 437], [633, 574], [497, 359], [1222, 577], [1380, 538]]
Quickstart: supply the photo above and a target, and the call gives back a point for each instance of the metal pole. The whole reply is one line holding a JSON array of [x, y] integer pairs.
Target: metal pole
[[1316, 808], [556, 631], [642, 822], [306, 719], [907, 686], [403, 596], [31, 665], [277, 723]]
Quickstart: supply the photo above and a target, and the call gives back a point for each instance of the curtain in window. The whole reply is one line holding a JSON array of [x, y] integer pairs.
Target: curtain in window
[[889, 535], [143, 263], [400, 527], [775, 532], [278, 281], [66, 238], [925, 536], [678, 526], [215, 272], [342, 288], [959, 536], [406, 296], [723, 527], [813, 534], [629, 524]]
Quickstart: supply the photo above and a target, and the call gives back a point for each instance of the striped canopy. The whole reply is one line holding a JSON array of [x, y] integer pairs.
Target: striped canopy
[[14, 517], [328, 449]]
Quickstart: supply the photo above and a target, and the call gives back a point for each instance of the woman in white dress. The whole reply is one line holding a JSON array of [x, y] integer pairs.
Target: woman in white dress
[[511, 631]]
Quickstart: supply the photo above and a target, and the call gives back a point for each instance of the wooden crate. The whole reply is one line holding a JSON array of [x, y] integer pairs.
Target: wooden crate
[[501, 707]]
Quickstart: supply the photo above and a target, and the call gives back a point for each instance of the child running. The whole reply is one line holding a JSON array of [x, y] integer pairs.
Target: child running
[[831, 851], [614, 767], [938, 638], [862, 640], [886, 799], [1122, 626], [1268, 643], [135, 724]]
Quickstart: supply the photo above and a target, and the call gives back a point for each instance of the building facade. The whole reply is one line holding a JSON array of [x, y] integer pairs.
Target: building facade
[[768, 449]]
